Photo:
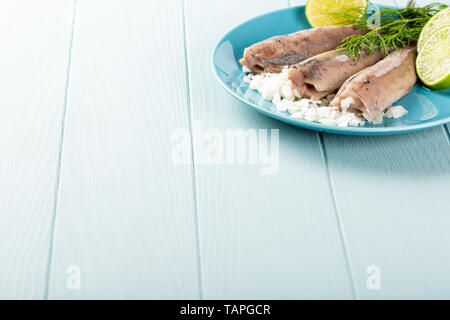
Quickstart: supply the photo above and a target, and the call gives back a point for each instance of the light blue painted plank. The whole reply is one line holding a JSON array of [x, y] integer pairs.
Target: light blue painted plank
[[392, 199], [125, 212], [261, 236], [392, 193], [34, 54]]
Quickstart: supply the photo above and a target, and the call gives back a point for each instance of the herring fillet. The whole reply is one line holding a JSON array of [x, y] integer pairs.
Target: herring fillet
[[377, 87], [324, 73], [272, 54]]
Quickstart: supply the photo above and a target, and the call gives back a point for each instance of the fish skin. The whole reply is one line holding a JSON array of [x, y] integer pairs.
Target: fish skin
[[324, 73], [377, 87], [272, 54]]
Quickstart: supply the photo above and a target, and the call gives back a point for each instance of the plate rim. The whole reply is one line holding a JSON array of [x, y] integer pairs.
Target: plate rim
[[316, 126]]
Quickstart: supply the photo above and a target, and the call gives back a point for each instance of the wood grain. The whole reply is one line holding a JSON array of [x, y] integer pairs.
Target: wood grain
[[125, 212], [261, 236], [34, 51]]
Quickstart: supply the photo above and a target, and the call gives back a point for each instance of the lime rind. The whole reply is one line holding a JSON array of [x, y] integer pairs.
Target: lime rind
[[440, 19], [433, 61]]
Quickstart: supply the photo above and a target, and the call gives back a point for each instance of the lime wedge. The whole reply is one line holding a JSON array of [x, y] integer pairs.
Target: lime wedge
[[323, 12], [440, 19], [433, 61]]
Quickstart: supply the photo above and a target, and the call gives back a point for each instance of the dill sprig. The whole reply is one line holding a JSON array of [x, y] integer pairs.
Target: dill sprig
[[397, 28]]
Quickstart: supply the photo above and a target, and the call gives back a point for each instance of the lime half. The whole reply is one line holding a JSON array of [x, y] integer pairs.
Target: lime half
[[439, 20], [433, 61], [333, 12]]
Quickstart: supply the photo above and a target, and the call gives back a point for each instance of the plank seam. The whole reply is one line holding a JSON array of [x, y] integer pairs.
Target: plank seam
[[60, 149], [194, 173], [446, 132], [338, 216]]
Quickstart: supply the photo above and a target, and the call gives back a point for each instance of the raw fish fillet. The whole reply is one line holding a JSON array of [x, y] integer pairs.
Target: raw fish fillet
[[272, 54]]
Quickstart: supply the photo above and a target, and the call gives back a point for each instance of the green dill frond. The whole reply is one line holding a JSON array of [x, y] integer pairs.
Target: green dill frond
[[397, 28]]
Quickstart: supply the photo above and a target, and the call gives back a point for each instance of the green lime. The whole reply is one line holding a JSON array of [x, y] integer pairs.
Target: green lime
[[433, 60]]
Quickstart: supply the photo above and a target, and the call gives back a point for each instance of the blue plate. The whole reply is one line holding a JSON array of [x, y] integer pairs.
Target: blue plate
[[426, 108]]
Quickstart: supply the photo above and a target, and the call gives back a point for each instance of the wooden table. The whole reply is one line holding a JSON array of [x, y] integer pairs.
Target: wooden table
[[92, 204]]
